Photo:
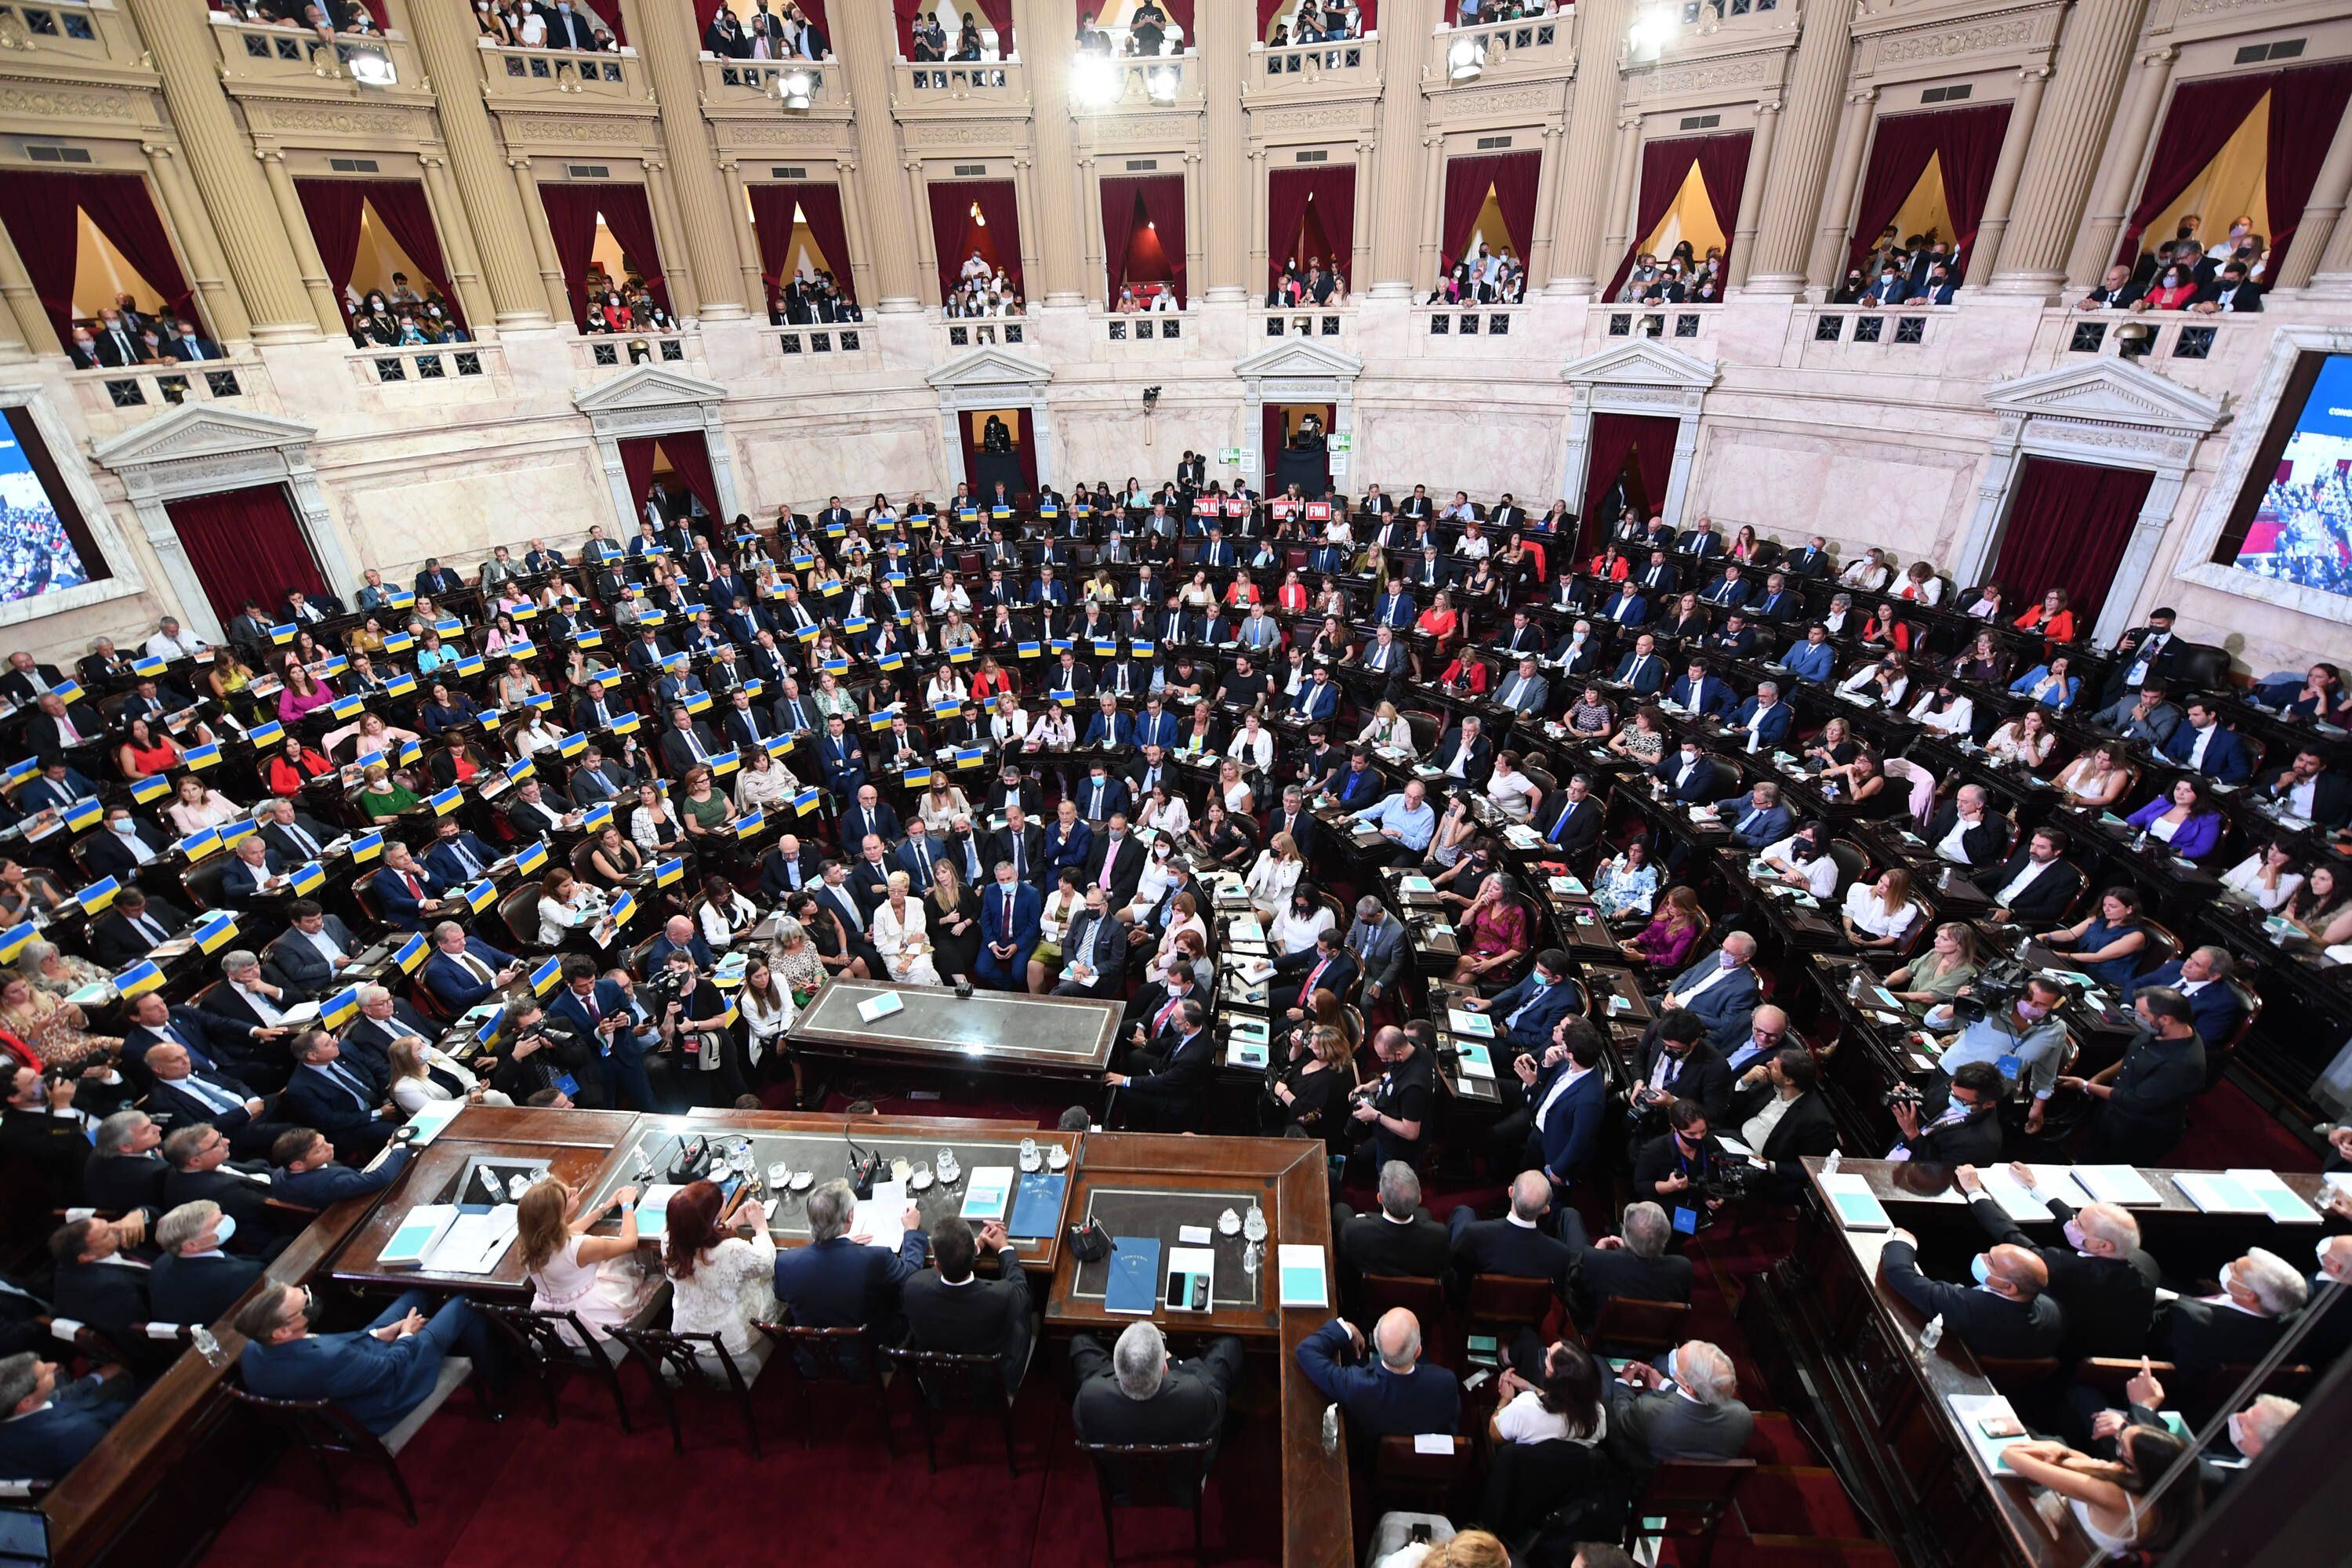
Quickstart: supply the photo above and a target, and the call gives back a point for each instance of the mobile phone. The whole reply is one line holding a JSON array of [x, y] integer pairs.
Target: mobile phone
[[1999, 1426]]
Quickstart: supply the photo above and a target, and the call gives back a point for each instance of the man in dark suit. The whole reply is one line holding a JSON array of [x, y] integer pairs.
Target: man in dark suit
[[2260, 1291], [2145, 1097], [1570, 818], [306, 1172], [194, 1281], [458, 856], [948, 1308], [539, 811], [1679, 1062], [1667, 1168], [200, 1171], [214, 1043], [686, 743], [125, 844], [1721, 987], [1688, 776], [2008, 1313], [1558, 1106], [1634, 1265], [50, 731], [1965, 830], [435, 579], [464, 971], [1401, 1240], [254, 867], [409, 894], [336, 1099], [837, 1281], [1168, 1091], [2310, 789], [1516, 1245], [123, 1172], [870, 815], [99, 1279], [1327, 965], [1465, 753], [1779, 1101], [838, 759], [314, 952], [2202, 976], [1115, 863], [1137, 1393], [2204, 744], [1020, 844], [132, 927], [1094, 953], [1694, 1414], [379, 1374], [1966, 1130], [209, 1098], [46, 1427], [2103, 1283], [1381, 1383], [2034, 886]]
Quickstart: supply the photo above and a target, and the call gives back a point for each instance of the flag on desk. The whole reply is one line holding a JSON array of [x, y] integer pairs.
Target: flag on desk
[[411, 954], [1106, 647], [755, 687], [523, 650], [1145, 651], [623, 908], [481, 895], [398, 642], [598, 816], [341, 1008], [470, 665], [139, 979], [265, 734], [307, 879], [215, 932], [669, 871], [970, 756], [751, 824], [916, 778], [345, 706], [487, 1029], [725, 763], [281, 634], [149, 667], [23, 770], [780, 747], [197, 845], [366, 847], [626, 724], [726, 1019], [572, 745], [960, 655], [401, 685], [857, 624], [589, 639], [80, 813], [67, 692], [371, 759], [520, 769], [12, 941], [449, 626], [543, 978], [878, 722], [200, 757], [835, 665], [95, 898], [946, 709], [808, 800], [410, 750], [524, 612], [697, 703], [532, 858]]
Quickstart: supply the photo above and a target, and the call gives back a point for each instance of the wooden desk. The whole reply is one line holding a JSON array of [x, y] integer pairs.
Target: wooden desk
[[987, 1032], [1287, 1177]]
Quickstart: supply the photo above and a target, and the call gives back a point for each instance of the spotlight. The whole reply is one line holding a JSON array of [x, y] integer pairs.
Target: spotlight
[[1151, 399], [1163, 82], [1098, 83], [1652, 31], [1466, 59], [369, 68], [796, 89]]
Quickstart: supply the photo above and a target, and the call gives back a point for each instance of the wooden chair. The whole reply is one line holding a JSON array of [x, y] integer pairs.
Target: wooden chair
[[520, 911], [939, 1377], [679, 1361], [1507, 1301], [1686, 1499], [2108, 1374], [844, 1357], [321, 1426], [1626, 1325], [540, 1343], [1122, 1470], [1376, 1294], [1403, 1475]]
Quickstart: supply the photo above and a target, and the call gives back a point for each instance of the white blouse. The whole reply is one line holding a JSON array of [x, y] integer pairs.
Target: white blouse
[[1271, 880], [1295, 933], [1864, 908], [1514, 793], [2245, 877], [733, 1285], [1955, 720]]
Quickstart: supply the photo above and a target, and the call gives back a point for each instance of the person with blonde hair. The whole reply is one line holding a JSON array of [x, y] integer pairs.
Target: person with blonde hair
[[900, 937], [596, 1279], [422, 1074]]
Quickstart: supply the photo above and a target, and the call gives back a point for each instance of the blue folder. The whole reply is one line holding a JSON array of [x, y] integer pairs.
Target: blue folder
[[1134, 1286], [1037, 1205]]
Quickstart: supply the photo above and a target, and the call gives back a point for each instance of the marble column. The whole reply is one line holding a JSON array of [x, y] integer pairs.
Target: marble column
[[457, 242], [31, 323], [1392, 215], [555, 290], [307, 259], [509, 239], [200, 252], [2126, 149], [1827, 263], [686, 297], [2334, 277], [747, 242], [1793, 183], [1625, 196], [664, 35], [260, 250], [1984, 260], [1751, 191], [2094, 54], [1232, 193], [1061, 221], [1581, 258], [2317, 236], [890, 257], [1540, 246]]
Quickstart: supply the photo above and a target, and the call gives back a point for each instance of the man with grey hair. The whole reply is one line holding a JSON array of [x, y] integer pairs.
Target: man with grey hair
[[838, 1280], [1401, 1240], [45, 1428], [244, 997], [2237, 1325], [1137, 1393], [1634, 1265], [1722, 989], [383, 1018], [2250, 1430], [2202, 976], [194, 1281], [2103, 1283], [1378, 943], [1381, 1383], [1685, 1407], [199, 1171], [338, 1099], [123, 1171]]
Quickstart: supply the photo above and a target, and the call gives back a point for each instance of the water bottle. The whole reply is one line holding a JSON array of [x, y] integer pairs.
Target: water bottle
[[208, 1346], [1829, 1164], [1932, 1335], [1854, 984], [1330, 1428]]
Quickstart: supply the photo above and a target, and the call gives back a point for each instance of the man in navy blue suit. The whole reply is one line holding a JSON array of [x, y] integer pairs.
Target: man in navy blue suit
[[337, 1100], [1626, 608], [406, 892], [2202, 977], [1755, 816], [1318, 699], [843, 765], [255, 866], [1565, 1097], [1722, 989], [464, 971], [1688, 775], [1527, 1013], [2207, 745], [838, 1281], [307, 1174], [1643, 670], [1009, 911], [599, 1011], [46, 1427], [378, 1374], [1763, 719], [1700, 693], [458, 856], [1383, 1384]]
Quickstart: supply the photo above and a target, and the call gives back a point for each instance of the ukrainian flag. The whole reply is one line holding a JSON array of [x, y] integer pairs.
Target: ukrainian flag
[[199, 843], [747, 825], [200, 757], [970, 756], [399, 642], [894, 663], [80, 813], [1027, 649], [231, 837], [806, 633], [572, 745], [531, 859], [917, 778], [470, 665], [307, 879], [341, 1008], [543, 978], [725, 763], [960, 655], [410, 750], [216, 932], [281, 635], [669, 871], [97, 895], [542, 700], [400, 686], [623, 908], [520, 769], [780, 746], [335, 664], [626, 724], [1144, 650], [366, 847], [489, 719], [345, 706], [23, 770], [266, 734], [399, 598], [450, 626], [148, 667], [481, 895], [697, 703], [878, 722], [837, 666], [590, 639], [447, 801], [726, 1019], [411, 954], [808, 800], [139, 979], [12, 941], [597, 816], [145, 790]]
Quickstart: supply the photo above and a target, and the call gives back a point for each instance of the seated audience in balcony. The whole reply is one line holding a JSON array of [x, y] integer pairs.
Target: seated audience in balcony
[[2174, 289]]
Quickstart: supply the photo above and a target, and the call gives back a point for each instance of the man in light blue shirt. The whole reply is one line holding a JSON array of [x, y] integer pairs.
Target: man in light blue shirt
[[2026, 1030], [1404, 819]]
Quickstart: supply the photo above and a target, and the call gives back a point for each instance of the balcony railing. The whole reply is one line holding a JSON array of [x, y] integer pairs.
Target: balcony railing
[[833, 345], [939, 86], [64, 30], [1336, 322], [1667, 322], [343, 66], [114, 401], [2213, 354], [600, 356], [472, 371], [512, 73], [1107, 86], [1859, 326], [1303, 65], [981, 331], [1434, 322], [1524, 48], [1164, 330], [732, 81]]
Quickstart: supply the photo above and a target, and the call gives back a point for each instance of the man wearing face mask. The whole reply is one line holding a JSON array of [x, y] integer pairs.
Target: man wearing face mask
[[1967, 1128], [2022, 1039], [194, 1281], [2102, 1281], [1687, 776], [2005, 1313], [1678, 1062], [2260, 1291], [2328, 1333], [1721, 988], [2145, 1097], [2244, 1436]]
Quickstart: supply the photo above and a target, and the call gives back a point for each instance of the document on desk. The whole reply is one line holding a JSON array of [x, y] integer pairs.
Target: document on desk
[[474, 1244], [1477, 1026], [1857, 1206], [2217, 1193], [876, 1218], [2016, 1199], [653, 1209], [1245, 927], [1975, 1412], [1473, 1060], [1133, 1286], [419, 1233], [1301, 1271], [1413, 885], [2270, 1190], [432, 1118], [988, 1191], [2118, 1184], [2058, 1181]]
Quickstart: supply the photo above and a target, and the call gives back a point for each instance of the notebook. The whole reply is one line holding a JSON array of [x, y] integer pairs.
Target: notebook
[[1037, 1204], [1302, 1277], [419, 1233], [2217, 1193], [988, 1192], [2118, 1184], [1478, 1026], [1133, 1286], [881, 1006], [1858, 1207], [2270, 1190]]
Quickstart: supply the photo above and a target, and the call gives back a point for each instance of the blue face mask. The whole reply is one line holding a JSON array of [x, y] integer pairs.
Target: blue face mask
[[1541, 980], [227, 1228], [1670, 1368], [1981, 1267]]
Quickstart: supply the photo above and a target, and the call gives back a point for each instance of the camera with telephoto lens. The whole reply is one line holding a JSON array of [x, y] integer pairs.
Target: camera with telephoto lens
[[1727, 1178], [662, 989], [1996, 988]]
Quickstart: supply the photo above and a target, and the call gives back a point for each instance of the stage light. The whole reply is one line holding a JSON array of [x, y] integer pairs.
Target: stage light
[[1466, 59], [1652, 31], [1098, 83], [1163, 82], [796, 89], [369, 68]]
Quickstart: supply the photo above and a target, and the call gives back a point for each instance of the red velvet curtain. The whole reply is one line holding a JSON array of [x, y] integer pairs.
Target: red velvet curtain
[[333, 208], [2203, 116], [1647, 439], [246, 544], [1968, 142], [2068, 530], [1025, 432], [814, 11], [1513, 176], [1181, 13], [771, 221], [637, 472], [908, 12], [37, 210], [1119, 207], [1722, 162], [2304, 101], [407, 216], [951, 202], [1332, 189], [1270, 439], [999, 14], [1163, 198], [689, 457], [572, 213], [1163, 208]]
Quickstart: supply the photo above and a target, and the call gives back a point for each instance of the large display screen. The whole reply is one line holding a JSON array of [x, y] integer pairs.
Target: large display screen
[[40, 548], [2300, 527]]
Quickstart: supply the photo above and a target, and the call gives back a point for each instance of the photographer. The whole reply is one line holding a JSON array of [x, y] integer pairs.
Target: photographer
[[2021, 1037], [604, 1013], [697, 1030], [1679, 1168], [1965, 1132], [544, 1052], [1678, 1062]]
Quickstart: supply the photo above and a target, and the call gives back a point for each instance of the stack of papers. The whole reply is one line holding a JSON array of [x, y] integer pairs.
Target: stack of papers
[[2217, 1193], [1857, 1206], [876, 1218], [653, 1209], [2269, 1189], [430, 1119], [989, 1194], [474, 1243], [2015, 1198], [1477, 1026], [2118, 1184], [1302, 1276], [1474, 1060], [1413, 885], [418, 1235]]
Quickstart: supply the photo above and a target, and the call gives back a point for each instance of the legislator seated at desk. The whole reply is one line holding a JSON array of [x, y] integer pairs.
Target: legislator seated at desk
[[123, 1171], [1965, 829], [1634, 1265], [1676, 1061], [838, 1281], [2260, 1293], [1685, 1406], [1400, 1240], [307, 1174], [2103, 1283], [1721, 989], [1516, 1245], [2006, 1313], [100, 1280], [377, 1376], [46, 1427], [1528, 1011], [1138, 1394], [194, 1281], [337, 1100], [1778, 1111], [1687, 776], [2202, 976], [949, 1308], [1384, 1387], [2034, 888]]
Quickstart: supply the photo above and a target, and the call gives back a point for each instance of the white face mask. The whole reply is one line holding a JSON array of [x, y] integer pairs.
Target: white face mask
[[125, 825], [2236, 1440], [228, 1228]]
